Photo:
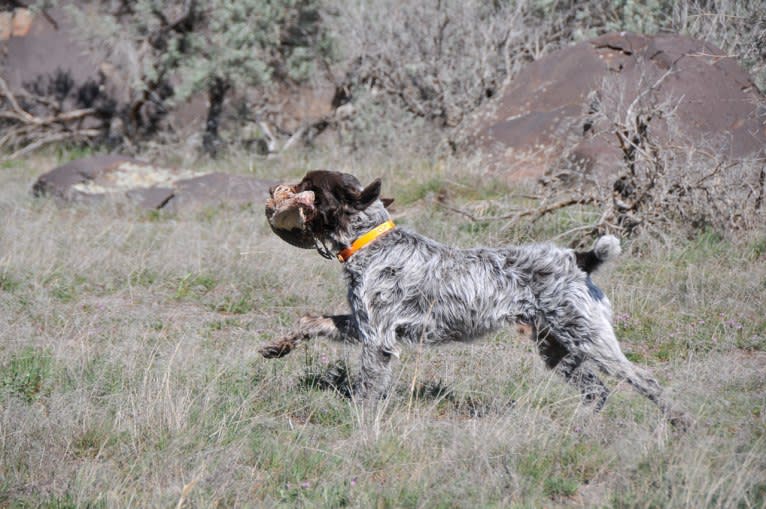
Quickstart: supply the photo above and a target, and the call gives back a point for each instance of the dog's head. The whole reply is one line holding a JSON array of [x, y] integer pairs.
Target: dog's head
[[326, 206]]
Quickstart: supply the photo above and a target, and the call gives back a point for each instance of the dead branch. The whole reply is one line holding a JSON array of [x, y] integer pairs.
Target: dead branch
[[516, 215], [26, 132], [53, 138], [23, 115], [567, 202]]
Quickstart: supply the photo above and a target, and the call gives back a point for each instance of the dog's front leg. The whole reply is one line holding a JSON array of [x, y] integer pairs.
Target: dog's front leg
[[377, 352], [333, 327]]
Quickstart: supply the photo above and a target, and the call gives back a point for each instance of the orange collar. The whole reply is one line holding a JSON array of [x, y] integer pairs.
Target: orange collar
[[365, 239]]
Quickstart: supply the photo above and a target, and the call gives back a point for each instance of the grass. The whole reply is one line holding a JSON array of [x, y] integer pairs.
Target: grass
[[129, 373], [26, 374]]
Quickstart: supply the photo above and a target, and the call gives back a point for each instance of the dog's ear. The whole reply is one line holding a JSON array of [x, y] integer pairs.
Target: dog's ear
[[368, 195], [387, 201]]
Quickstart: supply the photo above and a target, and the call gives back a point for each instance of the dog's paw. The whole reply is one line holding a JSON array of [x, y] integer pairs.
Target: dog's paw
[[277, 349]]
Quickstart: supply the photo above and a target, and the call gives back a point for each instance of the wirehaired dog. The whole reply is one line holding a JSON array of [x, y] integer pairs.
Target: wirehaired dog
[[404, 287]]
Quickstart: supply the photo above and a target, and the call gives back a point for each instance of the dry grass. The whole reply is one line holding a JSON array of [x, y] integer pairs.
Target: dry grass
[[129, 374]]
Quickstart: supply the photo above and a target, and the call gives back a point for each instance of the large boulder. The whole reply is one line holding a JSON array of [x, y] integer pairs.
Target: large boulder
[[41, 44], [123, 178], [549, 106]]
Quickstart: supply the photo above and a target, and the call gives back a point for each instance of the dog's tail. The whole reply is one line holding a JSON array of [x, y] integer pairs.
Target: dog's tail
[[606, 248]]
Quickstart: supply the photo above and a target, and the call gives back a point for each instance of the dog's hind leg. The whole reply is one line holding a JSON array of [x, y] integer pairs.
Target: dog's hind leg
[[333, 327], [605, 352], [572, 367]]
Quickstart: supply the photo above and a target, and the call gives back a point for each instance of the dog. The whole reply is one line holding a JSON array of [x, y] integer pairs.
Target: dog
[[406, 288]]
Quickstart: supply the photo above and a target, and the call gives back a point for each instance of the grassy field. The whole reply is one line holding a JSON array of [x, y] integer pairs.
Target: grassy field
[[129, 372]]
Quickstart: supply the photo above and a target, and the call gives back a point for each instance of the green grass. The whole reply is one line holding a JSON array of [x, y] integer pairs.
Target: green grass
[[27, 374], [194, 285], [8, 283], [129, 372]]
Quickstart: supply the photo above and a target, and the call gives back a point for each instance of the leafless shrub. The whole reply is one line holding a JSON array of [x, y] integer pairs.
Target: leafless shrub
[[435, 60], [666, 180], [438, 58]]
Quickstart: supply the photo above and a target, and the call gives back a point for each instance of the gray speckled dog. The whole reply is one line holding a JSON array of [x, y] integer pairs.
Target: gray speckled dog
[[403, 287]]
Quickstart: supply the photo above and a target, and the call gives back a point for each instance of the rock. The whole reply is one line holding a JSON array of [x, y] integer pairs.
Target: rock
[[35, 45], [220, 188], [6, 25], [61, 180], [543, 110], [15, 23], [148, 186]]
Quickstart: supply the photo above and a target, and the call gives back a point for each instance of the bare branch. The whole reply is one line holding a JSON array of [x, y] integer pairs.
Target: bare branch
[[53, 138]]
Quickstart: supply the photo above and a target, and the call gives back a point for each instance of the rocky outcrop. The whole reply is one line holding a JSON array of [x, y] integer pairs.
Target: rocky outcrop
[[575, 96]]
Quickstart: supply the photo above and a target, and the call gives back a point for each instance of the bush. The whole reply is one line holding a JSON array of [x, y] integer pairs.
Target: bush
[[170, 50]]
